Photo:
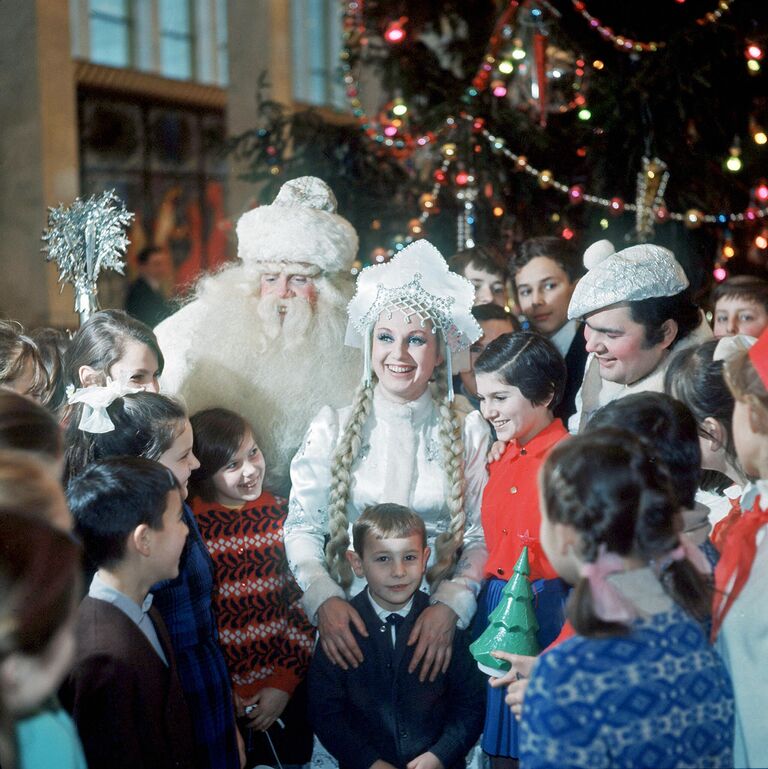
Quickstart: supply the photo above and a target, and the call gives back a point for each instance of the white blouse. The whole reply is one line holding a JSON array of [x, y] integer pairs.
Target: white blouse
[[400, 461]]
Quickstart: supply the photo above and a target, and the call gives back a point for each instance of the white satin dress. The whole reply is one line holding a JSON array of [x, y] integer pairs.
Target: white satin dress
[[400, 461]]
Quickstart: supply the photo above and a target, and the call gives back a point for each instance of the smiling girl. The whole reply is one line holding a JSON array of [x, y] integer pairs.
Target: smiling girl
[[264, 633], [520, 380]]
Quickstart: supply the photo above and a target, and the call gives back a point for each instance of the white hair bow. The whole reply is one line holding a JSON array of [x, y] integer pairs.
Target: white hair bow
[[96, 399]]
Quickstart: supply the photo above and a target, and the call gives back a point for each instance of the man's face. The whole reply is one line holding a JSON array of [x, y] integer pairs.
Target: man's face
[[288, 286], [492, 329], [489, 286], [156, 267], [543, 293], [619, 345]]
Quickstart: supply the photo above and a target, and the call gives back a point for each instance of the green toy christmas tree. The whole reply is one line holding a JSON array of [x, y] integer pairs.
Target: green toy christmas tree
[[512, 625]]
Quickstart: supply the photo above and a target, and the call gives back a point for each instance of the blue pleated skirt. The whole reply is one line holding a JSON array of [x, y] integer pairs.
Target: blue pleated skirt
[[500, 734]]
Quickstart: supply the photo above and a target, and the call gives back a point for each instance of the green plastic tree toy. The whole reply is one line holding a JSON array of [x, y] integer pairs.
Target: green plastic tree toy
[[512, 625]]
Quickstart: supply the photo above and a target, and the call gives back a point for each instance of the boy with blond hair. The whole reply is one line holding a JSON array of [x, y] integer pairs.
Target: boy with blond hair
[[377, 715]]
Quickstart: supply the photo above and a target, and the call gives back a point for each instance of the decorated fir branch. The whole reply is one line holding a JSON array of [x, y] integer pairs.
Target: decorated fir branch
[[84, 239], [512, 625]]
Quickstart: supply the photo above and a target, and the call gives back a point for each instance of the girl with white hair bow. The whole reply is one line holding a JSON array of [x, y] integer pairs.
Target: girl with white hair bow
[[403, 441]]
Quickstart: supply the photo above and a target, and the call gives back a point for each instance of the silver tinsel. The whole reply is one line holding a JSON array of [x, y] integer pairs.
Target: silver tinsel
[[83, 239]]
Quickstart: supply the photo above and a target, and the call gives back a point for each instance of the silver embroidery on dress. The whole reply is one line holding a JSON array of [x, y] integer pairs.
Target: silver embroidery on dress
[[433, 451]]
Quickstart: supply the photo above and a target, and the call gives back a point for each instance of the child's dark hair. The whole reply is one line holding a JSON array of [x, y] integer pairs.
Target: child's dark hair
[[218, 434], [26, 426], [747, 287], [384, 521], [671, 429], [17, 352], [111, 497], [609, 487], [558, 250], [697, 380], [493, 311], [52, 345], [146, 425], [100, 343], [487, 258], [528, 361]]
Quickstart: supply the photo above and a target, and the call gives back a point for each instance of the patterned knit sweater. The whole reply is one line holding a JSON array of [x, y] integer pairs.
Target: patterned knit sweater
[[657, 697], [266, 637]]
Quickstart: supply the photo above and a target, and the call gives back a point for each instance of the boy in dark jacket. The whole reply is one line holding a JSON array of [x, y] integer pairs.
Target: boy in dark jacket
[[378, 715], [123, 691]]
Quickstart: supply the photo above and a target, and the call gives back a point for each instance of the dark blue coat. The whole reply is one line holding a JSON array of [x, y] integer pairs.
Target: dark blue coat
[[381, 711]]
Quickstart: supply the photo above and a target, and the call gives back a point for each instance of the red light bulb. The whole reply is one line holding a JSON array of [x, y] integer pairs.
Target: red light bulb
[[395, 32]]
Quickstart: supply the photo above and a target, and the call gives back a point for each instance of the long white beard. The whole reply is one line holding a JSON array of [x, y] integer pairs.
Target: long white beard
[[229, 348], [282, 320]]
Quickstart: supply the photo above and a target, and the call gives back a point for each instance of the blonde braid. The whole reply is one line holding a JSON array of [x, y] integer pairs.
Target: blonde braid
[[341, 480], [448, 543]]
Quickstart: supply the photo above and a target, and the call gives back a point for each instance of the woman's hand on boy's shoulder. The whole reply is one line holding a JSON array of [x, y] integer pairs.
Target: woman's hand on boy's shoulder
[[433, 636], [334, 618]]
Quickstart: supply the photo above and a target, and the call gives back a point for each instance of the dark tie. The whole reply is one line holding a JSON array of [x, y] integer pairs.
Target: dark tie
[[394, 621]]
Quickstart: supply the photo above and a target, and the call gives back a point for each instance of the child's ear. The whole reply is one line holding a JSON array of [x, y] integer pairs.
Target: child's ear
[[427, 553], [355, 563], [715, 433], [89, 376], [141, 539]]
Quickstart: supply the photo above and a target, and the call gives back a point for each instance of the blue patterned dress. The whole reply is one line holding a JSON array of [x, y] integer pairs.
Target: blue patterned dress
[[185, 603], [657, 697]]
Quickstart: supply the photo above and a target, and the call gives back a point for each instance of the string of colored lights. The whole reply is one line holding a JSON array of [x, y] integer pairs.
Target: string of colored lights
[[354, 34], [627, 44]]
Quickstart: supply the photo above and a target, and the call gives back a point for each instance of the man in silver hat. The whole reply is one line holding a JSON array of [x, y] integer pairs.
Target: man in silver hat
[[636, 307]]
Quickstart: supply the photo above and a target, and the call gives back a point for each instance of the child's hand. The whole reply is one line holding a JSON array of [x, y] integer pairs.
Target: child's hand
[[516, 696], [425, 761], [495, 452], [434, 631], [333, 620], [268, 705], [516, 679], [521, 668]]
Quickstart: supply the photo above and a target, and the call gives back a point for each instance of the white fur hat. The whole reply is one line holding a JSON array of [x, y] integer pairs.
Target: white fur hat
[[300, 226], [635, 273]]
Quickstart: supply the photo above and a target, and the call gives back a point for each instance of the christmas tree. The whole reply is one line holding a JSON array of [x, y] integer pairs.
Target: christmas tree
[[512, 626], [497, 120]]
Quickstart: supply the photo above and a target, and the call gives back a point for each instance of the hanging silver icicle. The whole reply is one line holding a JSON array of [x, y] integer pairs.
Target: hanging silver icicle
[[651, 185]]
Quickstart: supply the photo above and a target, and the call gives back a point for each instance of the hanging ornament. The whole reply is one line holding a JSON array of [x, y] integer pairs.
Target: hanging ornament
[[543, 76], [83, 239], [651, 184]]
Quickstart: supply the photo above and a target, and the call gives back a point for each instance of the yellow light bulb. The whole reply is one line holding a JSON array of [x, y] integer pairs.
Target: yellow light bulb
[[506, 67], [760, 137], [733, 163]]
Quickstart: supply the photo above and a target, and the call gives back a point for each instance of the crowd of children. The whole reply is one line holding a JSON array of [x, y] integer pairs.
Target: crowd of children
[[160, 607]]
